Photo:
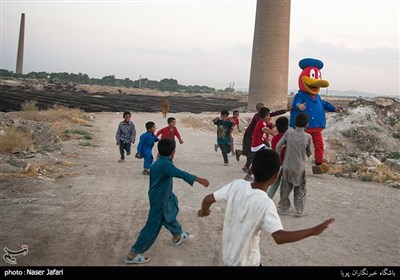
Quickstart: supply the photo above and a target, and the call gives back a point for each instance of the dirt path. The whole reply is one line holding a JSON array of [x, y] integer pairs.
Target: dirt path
[[93, 218]]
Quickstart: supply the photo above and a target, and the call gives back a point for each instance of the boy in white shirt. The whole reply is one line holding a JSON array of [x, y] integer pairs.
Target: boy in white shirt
[[249, 210]]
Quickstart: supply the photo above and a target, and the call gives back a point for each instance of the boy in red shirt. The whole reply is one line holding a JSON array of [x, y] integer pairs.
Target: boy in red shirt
[[260, 139], [170, 131], [282, 124], [236, 121]]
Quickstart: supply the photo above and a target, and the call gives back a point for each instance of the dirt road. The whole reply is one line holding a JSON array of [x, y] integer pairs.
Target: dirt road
[[94, 217]]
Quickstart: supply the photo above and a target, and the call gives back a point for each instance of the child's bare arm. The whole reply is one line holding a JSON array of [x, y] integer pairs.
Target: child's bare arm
[[269, 131], [205, 206], [215, 119], [203, 181], [282, 236]]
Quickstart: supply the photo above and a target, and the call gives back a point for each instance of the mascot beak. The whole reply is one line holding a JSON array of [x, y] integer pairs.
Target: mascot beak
[[313, 85]]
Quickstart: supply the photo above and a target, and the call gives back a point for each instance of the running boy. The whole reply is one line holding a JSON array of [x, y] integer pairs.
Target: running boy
[[170, 131], [249, 210], [224, 127], [163, 203], [125, 136], [282, 124], [236, 121], [146, 143], [260, 139], [298, 146]]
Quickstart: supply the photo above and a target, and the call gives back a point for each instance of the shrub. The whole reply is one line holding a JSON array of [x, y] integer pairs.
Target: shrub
[[11, 138], [393, 155], [84, 133], [29, 111]]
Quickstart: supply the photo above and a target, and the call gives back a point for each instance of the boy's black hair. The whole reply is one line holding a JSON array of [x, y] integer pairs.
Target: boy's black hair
[[282, 124], [301, 120], [166, 146], [149, 125], [235, 111], [225, 112], [266, 163], [126, 113], [263, 112], [170, 120]]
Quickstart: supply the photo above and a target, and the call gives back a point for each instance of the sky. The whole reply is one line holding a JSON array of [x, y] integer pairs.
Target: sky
[[203, 42]]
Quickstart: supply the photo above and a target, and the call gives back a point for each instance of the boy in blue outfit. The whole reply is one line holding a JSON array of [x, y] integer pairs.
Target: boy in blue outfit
[[126, 134], [145, 146], [224, 126], [163, 203]]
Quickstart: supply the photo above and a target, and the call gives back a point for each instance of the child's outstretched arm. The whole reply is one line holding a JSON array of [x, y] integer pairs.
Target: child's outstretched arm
[[282, 236], [205, 206]]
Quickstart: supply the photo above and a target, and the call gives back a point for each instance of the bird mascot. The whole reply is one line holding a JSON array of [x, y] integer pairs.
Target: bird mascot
[[307, 100]]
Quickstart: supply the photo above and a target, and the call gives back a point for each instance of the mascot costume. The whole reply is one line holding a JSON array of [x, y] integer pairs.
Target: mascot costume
[[307, 100]]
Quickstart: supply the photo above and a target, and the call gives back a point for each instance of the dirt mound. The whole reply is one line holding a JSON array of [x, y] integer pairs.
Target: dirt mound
[[365, 126], [363, 142]]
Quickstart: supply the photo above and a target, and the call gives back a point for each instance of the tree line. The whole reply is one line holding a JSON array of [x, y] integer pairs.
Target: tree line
[[162, 85]]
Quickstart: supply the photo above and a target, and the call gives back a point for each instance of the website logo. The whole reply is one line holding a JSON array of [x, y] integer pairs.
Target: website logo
[[9, 256]]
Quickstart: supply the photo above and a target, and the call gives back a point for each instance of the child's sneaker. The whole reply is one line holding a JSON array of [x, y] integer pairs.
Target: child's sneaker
[[246, 169], [121, 160], [282, 212], [145, 172], [226, 163], [299, 214], [248, 178]]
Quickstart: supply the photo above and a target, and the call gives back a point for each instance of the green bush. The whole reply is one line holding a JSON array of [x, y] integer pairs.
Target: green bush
[[84, 133], [393, 155]]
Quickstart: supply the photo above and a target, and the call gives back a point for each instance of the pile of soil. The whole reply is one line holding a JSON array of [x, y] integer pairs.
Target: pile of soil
[[371, 126]]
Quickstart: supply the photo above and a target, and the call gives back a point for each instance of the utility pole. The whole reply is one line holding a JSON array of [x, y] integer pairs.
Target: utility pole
[[20, 56]]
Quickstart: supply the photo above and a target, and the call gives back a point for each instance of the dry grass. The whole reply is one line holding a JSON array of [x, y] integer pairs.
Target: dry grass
[[60, 117], [378, 174], [33, 169], [29, 111], [58, 129], [59, 113], [194, 122], [55, 114], [11, 138]]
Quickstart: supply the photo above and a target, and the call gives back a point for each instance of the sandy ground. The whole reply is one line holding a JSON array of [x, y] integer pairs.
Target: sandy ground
[[93, 218]]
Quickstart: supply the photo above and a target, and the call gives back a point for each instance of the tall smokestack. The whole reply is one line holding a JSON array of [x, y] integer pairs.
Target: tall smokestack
[[20, 56], [270, 58]]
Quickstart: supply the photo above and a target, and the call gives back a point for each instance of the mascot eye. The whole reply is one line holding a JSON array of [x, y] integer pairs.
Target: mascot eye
[[319, 75], [312, 73]]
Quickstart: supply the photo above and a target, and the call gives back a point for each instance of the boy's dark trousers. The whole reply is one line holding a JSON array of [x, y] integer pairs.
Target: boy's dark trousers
[[225, 149], [124, 147]]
